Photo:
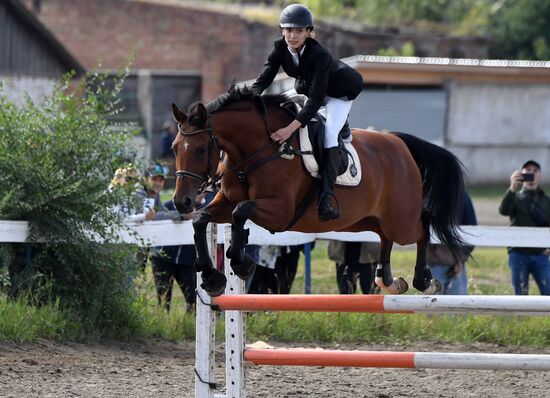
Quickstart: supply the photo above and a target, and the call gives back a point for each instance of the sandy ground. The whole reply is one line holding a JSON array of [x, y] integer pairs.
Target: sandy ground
[[165, 369]]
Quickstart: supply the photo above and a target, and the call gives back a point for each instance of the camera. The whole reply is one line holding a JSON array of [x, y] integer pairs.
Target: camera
[[527, 177]]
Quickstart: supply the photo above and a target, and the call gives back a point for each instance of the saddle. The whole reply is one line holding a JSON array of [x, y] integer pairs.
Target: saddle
[[311, 139]]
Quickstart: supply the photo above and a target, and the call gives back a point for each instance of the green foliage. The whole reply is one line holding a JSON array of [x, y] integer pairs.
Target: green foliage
[[521, 29], [407, 50], [56, 161]]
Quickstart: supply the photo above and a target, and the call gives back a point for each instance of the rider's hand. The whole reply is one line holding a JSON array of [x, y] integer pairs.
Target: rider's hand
[[282, 135], [515, 180]]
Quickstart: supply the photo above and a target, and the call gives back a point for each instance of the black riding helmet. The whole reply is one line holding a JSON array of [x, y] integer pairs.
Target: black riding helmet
[[296, 16]]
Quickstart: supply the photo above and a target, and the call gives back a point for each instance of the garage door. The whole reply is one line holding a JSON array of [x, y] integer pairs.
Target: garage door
[[420, 112]]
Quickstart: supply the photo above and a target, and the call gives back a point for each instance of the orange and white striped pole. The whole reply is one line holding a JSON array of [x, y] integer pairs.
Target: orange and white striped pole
[[389, 359], [396, 304]]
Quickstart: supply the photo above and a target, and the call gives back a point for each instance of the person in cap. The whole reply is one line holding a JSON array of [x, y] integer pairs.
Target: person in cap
[[324, 80], [527, 206]]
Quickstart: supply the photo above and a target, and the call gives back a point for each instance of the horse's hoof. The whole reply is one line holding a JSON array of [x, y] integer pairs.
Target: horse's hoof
[[434, 288], [213, 283], [245, 269], [398, 286]]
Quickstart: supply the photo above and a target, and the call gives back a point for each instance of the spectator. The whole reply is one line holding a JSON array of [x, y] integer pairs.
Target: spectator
[[264, 280], [175, 263], [127, 178], [354, 261], [168, 135], [165, 260], [448, 270], [277, 266], [287, 265], [527, 207]]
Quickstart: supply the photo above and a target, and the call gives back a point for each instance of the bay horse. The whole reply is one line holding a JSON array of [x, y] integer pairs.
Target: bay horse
[[407, 185]]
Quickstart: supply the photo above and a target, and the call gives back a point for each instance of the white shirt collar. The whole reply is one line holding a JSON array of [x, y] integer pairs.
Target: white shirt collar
[[295, 58]]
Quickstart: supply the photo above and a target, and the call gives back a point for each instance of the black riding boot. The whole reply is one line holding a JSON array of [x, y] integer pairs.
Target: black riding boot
[[331, 164], [345, 132]]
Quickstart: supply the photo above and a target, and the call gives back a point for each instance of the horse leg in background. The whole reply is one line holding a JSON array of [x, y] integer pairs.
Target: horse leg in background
[[422, 275], [213, 281], [242, 264], [384, 278]]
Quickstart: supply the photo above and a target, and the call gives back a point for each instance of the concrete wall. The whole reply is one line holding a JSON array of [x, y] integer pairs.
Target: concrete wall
[[495, 128], [15, 87]]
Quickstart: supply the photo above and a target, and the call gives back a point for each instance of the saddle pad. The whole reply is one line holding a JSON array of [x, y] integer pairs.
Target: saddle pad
[[351, 177]]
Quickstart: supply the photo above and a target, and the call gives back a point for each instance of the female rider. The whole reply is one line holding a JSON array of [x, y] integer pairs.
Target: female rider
[[323, 79]]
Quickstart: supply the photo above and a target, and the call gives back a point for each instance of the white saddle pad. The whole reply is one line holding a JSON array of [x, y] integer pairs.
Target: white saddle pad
[[350, 178]]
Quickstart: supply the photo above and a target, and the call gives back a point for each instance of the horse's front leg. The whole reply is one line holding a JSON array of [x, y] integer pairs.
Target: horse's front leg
[[423, 280], [384, 278], [242, 264], [213, 281]]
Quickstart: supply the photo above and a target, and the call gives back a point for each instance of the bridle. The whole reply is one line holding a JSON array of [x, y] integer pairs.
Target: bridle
[[212, 143], [242, 174]]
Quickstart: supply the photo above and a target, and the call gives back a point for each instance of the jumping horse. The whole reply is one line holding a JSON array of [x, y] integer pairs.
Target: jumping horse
[[408, 185]]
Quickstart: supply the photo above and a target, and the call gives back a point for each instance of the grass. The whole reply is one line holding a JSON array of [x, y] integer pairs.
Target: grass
[[488, 274], [23, 322]]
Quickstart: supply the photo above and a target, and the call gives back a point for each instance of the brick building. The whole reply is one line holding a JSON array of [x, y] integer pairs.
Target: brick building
[[184, 53]]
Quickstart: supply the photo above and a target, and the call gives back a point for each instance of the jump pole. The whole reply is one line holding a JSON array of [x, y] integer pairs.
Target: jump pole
[[389, 304], [392, 359]]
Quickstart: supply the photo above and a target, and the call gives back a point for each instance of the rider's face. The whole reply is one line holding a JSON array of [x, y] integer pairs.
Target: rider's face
[[295, 37]]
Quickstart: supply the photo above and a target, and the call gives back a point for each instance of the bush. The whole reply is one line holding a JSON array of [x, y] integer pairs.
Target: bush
[[56, 161]]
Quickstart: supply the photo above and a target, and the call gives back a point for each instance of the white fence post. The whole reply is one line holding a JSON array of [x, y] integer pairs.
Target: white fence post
[[234, 332], [205, 333]]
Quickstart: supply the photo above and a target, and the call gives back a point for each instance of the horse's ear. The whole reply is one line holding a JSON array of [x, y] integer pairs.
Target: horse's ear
[[201, 111], [178, 115]]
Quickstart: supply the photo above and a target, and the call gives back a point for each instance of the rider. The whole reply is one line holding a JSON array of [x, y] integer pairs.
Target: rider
[[323, 79]]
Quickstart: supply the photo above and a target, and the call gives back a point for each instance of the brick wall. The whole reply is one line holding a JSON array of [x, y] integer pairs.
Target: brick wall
[[219, 46]]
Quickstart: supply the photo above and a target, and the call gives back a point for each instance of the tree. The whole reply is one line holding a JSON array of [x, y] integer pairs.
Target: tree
[[56, 161], [521, 29]]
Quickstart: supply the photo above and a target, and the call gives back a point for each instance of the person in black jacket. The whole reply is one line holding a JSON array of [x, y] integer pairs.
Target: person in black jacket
[[527, 206], [323, 79]]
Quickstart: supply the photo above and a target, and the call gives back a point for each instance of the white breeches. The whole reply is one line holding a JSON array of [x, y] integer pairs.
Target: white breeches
[[336, 111]]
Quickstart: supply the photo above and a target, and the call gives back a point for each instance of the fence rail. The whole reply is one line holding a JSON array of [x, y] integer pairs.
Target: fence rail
[[164, 233]]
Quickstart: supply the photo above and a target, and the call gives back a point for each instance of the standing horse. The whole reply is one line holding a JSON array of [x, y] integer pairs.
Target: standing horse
[[407, 186]]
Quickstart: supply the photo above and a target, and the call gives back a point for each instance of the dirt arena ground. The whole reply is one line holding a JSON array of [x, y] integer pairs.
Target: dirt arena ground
[[165, 369]]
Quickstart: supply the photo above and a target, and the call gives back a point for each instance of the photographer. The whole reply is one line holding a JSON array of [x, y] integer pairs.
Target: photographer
[[527, 207]]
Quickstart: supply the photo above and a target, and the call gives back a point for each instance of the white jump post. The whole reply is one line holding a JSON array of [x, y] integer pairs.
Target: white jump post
[[235, 303], [205, 386], [205, 331]]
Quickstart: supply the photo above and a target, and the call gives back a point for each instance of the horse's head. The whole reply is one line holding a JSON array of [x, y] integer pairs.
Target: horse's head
[[197, 155]]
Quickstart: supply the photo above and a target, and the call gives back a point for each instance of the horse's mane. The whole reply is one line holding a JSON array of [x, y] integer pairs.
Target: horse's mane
[[237, 94]]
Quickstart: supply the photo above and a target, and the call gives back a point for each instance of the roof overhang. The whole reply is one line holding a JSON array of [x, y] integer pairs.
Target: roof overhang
[[435, 71]]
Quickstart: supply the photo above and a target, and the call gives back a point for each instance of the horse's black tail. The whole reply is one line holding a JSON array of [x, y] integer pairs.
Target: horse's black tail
[[444, 191]]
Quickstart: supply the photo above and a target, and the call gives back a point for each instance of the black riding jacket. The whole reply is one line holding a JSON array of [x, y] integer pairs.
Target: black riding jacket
[[519, 207], [317, 75]]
